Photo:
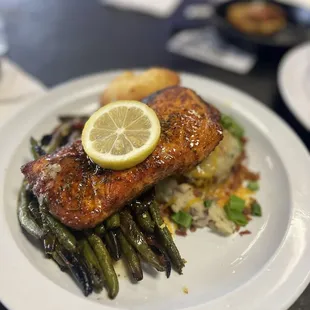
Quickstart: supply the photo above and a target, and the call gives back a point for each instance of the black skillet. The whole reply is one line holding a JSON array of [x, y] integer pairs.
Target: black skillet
[[296, 31]]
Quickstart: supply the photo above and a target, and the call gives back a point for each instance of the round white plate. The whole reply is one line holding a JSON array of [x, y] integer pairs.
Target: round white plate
[[294, 82], [265, 270]]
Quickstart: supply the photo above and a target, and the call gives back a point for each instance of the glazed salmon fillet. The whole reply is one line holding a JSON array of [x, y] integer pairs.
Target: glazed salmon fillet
[[81, 194]]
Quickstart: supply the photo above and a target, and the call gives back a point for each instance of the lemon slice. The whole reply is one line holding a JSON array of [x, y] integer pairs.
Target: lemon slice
[[121, 134]]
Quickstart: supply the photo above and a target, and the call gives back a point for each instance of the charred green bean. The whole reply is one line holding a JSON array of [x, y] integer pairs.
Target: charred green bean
[[106, 264], [112, 244], [137, 240], [160, 252], [48, 238], [132, 258], [166, 238], [92, 264], [100, 230], [145, 222], [26, 220], [67, 118], [59, 261], [33, 207], [36, 149], [113, 222], [141, 204], [62, 131], [78, 269], [49, 241], [63, 235]]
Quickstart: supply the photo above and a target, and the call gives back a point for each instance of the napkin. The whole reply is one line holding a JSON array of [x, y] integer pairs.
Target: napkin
[[206, 45], [17, 89], [301, 3], [157, 8]]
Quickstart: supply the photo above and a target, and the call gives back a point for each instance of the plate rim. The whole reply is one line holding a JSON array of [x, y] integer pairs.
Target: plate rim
[[81, 303], [287, 59]]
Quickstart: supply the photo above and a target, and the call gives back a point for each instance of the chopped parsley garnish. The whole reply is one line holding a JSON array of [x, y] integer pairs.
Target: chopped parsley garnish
[[234, 210]]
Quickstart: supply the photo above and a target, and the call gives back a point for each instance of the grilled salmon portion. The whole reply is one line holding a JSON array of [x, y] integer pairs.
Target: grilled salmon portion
[[81, 194]]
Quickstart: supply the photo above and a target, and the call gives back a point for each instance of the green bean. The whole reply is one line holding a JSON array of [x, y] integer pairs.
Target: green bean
[[48, 238], [46, 139], [63, 235], [132, 258], [36, 149], [59, 261], [140, 208], [106, 264], [145, 221], [33, 207], [92, 264], [166, 238], [67, 118], [100, 230], [43, 211], [142, 203], [112, 244], [62, 131], [112, 222], [137, 240], [77, 268], [160, 252], [26, 220]]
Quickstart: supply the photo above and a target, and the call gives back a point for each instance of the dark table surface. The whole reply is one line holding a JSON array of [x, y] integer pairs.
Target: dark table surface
[[59, 40]]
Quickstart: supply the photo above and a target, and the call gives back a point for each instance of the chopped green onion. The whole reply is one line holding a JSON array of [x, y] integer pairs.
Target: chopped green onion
[[208, 203], [232, 126], [238, 218], [234, 210], [256, 209], [253, 186], [236, 203], [182, 218]]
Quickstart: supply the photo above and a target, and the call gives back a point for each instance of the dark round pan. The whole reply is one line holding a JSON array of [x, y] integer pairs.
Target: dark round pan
[[296, 31]]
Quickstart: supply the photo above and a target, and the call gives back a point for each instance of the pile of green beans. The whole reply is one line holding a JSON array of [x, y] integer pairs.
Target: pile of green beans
[[134, 234]]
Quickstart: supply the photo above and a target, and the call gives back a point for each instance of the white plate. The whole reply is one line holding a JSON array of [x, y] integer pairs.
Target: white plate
[[294, 82], [265, 270]]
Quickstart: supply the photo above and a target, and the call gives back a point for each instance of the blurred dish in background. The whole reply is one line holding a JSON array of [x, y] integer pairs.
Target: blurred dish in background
[[258, 18], [294, 82], [267, 29]]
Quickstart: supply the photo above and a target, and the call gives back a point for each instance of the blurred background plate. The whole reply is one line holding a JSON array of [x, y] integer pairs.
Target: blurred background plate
[[294, 82]]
